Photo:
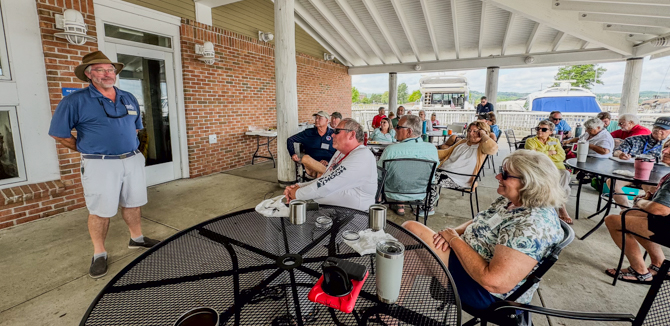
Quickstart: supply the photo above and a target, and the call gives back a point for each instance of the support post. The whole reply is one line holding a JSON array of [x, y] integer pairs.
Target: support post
[[286, 87], [492, 85], [630, 92], [393, 92]]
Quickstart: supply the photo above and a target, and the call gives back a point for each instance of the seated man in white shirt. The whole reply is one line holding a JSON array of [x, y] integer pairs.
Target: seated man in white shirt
[[601, 143], [350, 179]]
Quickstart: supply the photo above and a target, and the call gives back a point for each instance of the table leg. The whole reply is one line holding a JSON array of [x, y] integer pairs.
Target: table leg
[[258, 146], [274, 164], [579, 193], [606, 209]]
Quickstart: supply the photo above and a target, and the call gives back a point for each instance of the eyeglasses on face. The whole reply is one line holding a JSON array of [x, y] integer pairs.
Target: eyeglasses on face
[[541, 129], [338, 130], [505, 175], [401, 127], [104, 71], [557, 119]]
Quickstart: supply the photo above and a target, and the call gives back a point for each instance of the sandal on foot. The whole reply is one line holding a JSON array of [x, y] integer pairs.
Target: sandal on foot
[[630, 272], [399, 210], [566, 219], [656, 269]]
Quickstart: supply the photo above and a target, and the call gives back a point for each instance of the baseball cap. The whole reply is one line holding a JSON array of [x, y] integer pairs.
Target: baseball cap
[[322, 113], [337, 115], [663, 122]]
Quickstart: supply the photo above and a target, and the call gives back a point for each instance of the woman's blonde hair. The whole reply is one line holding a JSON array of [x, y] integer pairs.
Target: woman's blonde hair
[[480, 125], [539, 176]]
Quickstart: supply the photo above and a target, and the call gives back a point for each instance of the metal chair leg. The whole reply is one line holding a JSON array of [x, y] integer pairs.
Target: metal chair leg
[[623, 250], [477, 200], [472, 209]]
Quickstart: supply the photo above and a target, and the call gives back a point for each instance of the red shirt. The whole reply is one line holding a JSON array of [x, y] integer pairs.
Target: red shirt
[[637, 130], [377, 120]]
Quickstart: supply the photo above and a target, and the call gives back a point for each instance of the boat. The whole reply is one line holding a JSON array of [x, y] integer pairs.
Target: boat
[[444, 92], [564, 98]]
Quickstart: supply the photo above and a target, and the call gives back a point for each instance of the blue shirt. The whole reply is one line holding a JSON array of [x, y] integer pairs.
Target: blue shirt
[[316, 146], [563, 126], [495, 130], [644, 144], [408, 148], [378, 135], [484, 108], [88, 112]]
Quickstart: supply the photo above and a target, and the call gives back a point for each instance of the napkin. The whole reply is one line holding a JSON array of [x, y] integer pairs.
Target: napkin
[[367, 244], [273, 207], [624, 172]]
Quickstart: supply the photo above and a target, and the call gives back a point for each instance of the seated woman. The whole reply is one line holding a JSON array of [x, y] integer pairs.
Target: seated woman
[[455, 138], [433, 120], [656, 201], [551, 146], [385, 132], [490, 256], [491, 120], [601, 143], [466, 156]]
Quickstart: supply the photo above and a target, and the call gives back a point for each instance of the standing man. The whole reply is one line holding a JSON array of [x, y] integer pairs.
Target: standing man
[[335, 119], [484, 106], [562, 127], [401, 112], [106, 120]]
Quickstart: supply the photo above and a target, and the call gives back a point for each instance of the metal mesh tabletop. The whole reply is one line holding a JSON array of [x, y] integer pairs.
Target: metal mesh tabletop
[[236, 264]]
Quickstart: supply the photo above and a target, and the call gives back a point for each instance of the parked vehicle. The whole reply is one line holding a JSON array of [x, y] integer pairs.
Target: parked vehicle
[[444, 92], [564, 98]]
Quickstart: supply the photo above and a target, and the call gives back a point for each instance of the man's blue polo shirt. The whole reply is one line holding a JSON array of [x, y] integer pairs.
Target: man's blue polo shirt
[[316, 146], [92, 115], [562, 126]]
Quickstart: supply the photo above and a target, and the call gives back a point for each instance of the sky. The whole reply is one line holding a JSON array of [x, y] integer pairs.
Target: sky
[[527, 80]]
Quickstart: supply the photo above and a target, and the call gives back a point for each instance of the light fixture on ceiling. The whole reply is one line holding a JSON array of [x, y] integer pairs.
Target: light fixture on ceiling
[[417, 67], [265, 37], [328, 57], [207, 52], [73, 26], [528, 60]]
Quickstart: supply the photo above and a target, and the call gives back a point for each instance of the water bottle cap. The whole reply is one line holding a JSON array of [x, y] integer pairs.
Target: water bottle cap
[[390, 249]]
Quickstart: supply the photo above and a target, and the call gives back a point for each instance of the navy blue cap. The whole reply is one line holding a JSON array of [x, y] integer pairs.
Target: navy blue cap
[[663, 122]]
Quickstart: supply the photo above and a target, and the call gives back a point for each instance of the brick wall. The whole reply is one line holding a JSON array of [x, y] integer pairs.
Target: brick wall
[[239, 91]]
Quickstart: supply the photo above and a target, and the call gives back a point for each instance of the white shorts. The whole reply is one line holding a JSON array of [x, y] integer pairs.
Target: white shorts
[[108, 183]]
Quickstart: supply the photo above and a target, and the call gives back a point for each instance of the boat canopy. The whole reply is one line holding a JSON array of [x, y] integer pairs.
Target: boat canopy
[[566, 104]]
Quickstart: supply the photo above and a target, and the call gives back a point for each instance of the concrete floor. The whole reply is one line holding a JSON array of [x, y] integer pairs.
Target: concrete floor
[[45, 263]]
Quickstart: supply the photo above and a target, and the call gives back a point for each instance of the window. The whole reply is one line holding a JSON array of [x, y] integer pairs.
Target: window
[[4, 63], [130, 34], [12, 168]]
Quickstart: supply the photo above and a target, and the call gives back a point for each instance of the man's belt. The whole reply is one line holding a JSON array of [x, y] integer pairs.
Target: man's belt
[[110, 157]]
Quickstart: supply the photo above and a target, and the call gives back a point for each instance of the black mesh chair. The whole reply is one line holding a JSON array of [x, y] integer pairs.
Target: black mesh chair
[[511, 317], [472, 189], [661, 239], [511, 139], [410, 176], [655, 309], [492, 163]]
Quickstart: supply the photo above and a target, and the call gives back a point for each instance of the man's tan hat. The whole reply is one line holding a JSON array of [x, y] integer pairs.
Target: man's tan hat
[[91, 59], [322, 113]]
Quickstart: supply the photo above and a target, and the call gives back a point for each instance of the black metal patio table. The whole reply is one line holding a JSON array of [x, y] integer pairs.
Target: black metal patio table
[[256, 270], [603, 168]]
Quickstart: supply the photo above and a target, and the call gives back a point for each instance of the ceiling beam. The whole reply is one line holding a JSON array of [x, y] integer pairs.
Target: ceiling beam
[[557, 41], [508, 31], [316, 26], [585, 44], [358, 24], [379, 21], [405, 27], [639, 2], [454, 21], [625, 20], [646, 48], [482, 22], [660, 55], [619, 9], [431, 29], [540, 11], [510, 61], [532, 38], [631, 29], [301, 22], [340, 29]]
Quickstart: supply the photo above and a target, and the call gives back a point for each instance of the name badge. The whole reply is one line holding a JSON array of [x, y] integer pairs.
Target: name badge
[[325, 146], [132, 112], [551, 143]]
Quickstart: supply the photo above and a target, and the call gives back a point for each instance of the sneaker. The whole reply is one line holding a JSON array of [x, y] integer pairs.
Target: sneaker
[[148, 243], [98, 267]]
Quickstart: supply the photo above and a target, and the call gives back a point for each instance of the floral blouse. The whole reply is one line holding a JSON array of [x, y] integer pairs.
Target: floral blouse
[[533, 232]]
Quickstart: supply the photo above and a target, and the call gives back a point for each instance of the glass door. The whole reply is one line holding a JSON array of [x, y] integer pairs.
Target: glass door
[[149, 76]]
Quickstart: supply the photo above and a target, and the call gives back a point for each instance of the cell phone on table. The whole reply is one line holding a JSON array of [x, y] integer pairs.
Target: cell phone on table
[[312, 206]]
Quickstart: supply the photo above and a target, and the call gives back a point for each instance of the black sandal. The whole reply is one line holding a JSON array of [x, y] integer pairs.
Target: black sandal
[[656, 269], [639, 278]]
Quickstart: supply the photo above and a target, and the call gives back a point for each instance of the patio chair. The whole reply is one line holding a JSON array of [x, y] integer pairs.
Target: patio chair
[[456, 128], [411, 176], [511, 139], [661, 239], [469, 190], [653, 311], [492, 163], [510, 317]]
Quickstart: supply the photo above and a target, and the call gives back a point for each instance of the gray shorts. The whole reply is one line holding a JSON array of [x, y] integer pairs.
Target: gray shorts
[[110, 183]]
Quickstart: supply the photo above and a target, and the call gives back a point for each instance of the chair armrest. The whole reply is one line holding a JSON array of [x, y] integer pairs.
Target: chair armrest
[[463, 174], [580, 315]]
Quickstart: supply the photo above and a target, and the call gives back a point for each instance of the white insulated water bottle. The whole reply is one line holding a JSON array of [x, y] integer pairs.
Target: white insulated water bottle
[[582, 151], [389, 260]]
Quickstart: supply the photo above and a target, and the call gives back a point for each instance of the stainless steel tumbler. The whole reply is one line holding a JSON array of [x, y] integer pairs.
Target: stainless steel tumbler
[[390, 257], [297, 211], [377, 215]]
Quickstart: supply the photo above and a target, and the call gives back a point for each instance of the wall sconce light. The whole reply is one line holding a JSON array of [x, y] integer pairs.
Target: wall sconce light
[[265, 37], [417, 67], [72, 22], [529, 60], [328, 56], [207, 52]]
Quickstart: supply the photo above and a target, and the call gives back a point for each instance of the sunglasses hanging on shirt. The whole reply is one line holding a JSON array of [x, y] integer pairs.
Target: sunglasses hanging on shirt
[[123, 102]]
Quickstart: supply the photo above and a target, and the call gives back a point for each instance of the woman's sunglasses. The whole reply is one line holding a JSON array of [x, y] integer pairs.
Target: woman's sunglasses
[[541, 129], [506, 175]]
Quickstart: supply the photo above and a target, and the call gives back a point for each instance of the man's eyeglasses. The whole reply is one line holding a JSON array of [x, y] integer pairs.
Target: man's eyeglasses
[[123, 102], [506, 175], [541, 129], [401, 127], [338, 130], [104, 71], [557, 119]]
